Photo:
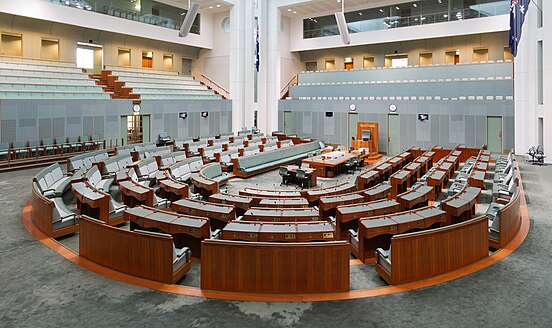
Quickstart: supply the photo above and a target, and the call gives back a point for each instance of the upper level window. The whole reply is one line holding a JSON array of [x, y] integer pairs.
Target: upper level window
[[405, 14]]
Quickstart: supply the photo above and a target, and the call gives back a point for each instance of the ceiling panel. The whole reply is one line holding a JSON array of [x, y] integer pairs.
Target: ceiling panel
[[325, 7]]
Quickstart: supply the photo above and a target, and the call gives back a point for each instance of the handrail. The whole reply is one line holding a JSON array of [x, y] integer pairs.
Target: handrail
[[286, 88], [217, 85]]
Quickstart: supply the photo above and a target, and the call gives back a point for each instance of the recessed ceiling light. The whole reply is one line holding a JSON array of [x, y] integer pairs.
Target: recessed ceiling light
[[295, 12], [218, 6], [289, 9], [415, 5], [210, 7]]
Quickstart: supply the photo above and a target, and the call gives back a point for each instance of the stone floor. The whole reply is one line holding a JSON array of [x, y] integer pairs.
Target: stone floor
[[42, 289]]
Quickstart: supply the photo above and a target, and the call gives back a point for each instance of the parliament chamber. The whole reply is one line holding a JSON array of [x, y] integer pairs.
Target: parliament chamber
[[275, 162]]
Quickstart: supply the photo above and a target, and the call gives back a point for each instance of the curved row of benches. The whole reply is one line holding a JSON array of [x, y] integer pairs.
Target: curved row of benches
[[250, 225]]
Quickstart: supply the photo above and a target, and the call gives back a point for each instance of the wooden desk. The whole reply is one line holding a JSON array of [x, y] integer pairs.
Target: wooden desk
[[309, 267], [314, 195], [425, 162], [92, 202], [481, 166], [346, 217], [173, 190], [400, 182], [135, 195], [309, 172], [385, 170], [477, 179], [327, 205], [454, 160], [378, 192], [283, 203], [446, 167], [461, 207], [218, 214], [278, 231], [376, 232], [281, 215], [205, 187], [260, 193], [187, 231], [368, 179], [415, 169], [438, 180], [241, 203], [328, 165], [396, 164], [415, 198]]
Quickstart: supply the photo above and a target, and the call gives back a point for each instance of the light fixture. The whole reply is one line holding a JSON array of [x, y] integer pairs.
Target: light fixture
[[415, 5], [210, 7], [289, 9], [381, 10], [397, 7], [218, 6], [295, 12], [342, 24], [360, 13]]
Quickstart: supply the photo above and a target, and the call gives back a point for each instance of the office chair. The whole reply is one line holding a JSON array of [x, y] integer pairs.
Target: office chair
[[301, 177], [283, 171], [349, 166]]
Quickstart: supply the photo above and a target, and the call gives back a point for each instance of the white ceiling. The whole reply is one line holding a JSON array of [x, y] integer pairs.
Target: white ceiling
[[205, 6], [326, 7]]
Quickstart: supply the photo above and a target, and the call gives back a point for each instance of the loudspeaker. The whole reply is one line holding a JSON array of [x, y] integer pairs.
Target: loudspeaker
[[183, 115], [342, 26], [188, 20], [204, 114]]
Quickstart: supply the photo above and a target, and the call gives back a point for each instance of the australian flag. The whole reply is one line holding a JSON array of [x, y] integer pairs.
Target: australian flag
[[518, 9], [257, 56]]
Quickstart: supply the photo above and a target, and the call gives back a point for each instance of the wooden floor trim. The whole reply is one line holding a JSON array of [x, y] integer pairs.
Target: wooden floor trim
[[354, 294]]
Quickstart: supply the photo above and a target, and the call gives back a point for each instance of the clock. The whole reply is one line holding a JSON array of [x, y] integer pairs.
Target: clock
[[136, 108], [392, 108], [352, 107]]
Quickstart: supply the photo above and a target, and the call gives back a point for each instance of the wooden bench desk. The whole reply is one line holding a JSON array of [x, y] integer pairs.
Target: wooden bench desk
[[279, 231], [415, 198], [347, 216], [218, 214], [281, 215]]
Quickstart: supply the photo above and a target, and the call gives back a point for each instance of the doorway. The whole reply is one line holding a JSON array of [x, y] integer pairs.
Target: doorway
[[494, 134], [123, 57], [452, 57], [352, 128], [186, 67], [348, 63], [311, 66], [393, 134], [135, 129], [90, 57], [287, 123], [330, 64], [49, 49], [147, 59]]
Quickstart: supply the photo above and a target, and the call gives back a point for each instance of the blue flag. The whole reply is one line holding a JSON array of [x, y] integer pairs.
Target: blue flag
[[518, 9]]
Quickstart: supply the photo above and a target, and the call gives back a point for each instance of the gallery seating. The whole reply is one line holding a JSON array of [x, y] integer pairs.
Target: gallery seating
[[51, 182], [86, 160]]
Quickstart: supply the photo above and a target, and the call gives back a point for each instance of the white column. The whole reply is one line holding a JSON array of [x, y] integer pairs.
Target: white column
[[241, 66], [269, 73]]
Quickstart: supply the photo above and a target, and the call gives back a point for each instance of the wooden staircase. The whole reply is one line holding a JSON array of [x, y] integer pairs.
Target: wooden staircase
[[111, 84]]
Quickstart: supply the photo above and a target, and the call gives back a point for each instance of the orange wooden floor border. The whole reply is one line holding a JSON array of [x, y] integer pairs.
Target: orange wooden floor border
[[354, 294]]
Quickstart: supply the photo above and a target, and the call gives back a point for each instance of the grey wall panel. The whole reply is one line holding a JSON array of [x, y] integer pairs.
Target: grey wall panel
[[51, 115], [45, 128], [440, 129], [8, 130], [87, 126], [307, 123], [508, 133], [470, 129]]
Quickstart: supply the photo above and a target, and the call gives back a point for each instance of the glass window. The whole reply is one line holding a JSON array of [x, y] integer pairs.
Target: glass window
[[85, 58]]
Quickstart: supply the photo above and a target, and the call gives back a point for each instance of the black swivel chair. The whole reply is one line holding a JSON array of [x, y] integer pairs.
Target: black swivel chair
[[302, 178], [284, 173], [350, 166]]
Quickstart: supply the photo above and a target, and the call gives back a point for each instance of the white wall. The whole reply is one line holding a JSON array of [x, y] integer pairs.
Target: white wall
[[48, 11], [214, 63], [439, 30], [527, 109], [290, 63]]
